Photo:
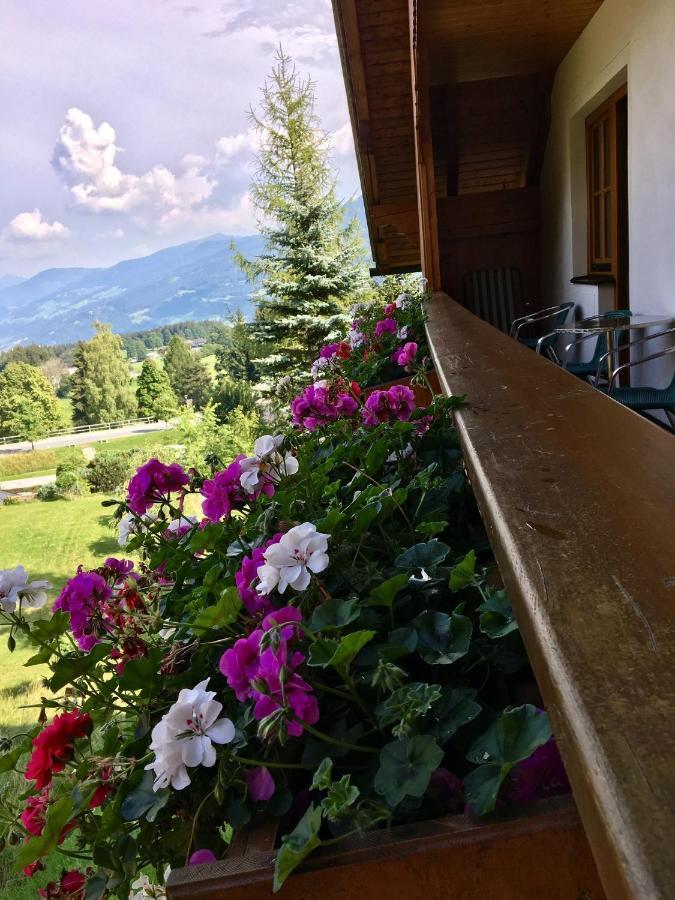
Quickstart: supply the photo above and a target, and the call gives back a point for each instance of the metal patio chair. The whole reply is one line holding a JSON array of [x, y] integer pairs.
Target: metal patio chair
[[589, 369], [642, 399], [546, 343]]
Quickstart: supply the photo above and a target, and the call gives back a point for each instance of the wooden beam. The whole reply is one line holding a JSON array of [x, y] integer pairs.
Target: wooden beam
[[424, 157], [578, 497]]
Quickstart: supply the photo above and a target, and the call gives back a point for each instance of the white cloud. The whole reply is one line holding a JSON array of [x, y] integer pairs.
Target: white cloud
[[230, 146], [85, 158], [342, 140], [32, 226]]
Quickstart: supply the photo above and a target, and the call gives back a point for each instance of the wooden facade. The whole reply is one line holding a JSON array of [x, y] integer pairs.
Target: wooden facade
[[450, 105]]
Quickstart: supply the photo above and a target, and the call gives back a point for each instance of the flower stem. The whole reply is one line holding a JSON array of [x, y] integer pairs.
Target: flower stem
[[336, 741], [268, 764]]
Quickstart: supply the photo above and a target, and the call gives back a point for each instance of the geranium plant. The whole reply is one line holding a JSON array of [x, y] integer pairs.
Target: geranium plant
[[322, 646]]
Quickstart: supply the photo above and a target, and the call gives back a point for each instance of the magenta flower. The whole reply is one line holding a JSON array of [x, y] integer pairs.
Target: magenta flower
[[397, 403], [261, 785], [319, 404], [247, 575], [224, 492], [121, 567], [153, 483], [240, 664], [201, 857], [539, 776], [86, 598], [405, 355], [386, 326]]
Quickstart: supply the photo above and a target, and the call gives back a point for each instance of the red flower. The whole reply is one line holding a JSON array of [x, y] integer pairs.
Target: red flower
[[103, 791], [55, 746], [70, 886], [34, 867]]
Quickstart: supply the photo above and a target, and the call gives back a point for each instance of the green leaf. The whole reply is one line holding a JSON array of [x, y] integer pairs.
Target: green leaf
[[70, 667], [456, 708], [11, 643], [224, 612], [464, 572], [406, 705], [496, 616], [384, 594], [514, 736], [376, 456], [481, 788], [349, 646], [341, 796], [43, 656], [406, 767], [144, 801], [334, 614], [323, 775], [59, 814], [138, 673], [423, 556], [9, 760], [226, 832], [431, 528], [321, 652], [43, 630], [365, 517], [330, 521], [212, 575], [297, 845], [442, 639]]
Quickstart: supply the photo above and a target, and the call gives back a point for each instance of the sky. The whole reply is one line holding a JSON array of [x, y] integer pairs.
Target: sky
[[123, 124]]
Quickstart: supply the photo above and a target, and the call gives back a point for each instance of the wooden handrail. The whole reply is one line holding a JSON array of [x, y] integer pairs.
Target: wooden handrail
[[578, 496]]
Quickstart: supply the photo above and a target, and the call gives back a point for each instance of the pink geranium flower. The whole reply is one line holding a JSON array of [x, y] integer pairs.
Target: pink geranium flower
[[247, 576], [224, 492], [153, 483], [86, 597], [397, 403], [405, 355], [385, 326], [320, 404], [260, 783]]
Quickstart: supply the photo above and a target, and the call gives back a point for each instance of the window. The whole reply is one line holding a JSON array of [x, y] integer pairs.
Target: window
[[607, 172]]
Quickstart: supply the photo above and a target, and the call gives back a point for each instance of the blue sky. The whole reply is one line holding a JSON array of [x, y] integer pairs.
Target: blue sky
[[124, 124]]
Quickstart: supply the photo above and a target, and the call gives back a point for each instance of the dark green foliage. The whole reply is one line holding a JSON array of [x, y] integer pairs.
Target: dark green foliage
[[28, 405], [312, 266], [154, 394], [229, 394], [111, 469], [235, 357], [101, 387], [187, 376]]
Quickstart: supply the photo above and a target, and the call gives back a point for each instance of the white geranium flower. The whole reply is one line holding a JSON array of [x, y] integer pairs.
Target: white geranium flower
[[402, 301], [181, 522], [355, 338], [317, 366], [130, 525], [15, 588], [185, 736], [288, 564], [144, 889], [402, 333], [266, 464]]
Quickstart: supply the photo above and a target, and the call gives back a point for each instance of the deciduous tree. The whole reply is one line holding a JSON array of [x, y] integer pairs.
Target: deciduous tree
[[28, 404], [101, 387]]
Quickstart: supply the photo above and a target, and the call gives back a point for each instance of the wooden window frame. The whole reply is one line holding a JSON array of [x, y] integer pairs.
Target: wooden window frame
[[603, 260]]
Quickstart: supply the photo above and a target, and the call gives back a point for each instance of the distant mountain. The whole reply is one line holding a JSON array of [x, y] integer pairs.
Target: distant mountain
[[196, 280], [10, 280]]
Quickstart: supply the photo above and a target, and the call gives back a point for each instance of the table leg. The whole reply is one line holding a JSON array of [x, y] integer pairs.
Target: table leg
[[613, 348]]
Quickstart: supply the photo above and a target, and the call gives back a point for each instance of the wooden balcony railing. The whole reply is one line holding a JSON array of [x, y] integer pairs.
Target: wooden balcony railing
[[578, 496]]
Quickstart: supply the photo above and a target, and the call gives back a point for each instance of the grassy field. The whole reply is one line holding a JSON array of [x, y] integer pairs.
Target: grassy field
[[50, 540], [44, 462]]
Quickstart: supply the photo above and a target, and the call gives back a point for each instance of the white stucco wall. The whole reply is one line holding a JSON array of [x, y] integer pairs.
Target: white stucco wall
[[629, 41]]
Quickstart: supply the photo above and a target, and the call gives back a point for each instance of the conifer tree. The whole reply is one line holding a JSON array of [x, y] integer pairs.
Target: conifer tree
[[187, 375], [101, 387], [235, 358], [312, 267], [153, 392]]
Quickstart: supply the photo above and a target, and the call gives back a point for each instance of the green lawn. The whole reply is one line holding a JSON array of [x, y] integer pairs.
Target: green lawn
[[50, 540], [44, 462]]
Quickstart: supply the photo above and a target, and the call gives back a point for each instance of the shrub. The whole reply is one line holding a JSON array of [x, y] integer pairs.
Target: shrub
[[229, 395], [110, 470]]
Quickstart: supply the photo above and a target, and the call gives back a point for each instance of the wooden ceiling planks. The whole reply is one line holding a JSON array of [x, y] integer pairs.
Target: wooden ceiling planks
[[467, 41]]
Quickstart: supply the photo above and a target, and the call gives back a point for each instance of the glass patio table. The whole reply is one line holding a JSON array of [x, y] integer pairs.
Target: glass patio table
[[612, 327]]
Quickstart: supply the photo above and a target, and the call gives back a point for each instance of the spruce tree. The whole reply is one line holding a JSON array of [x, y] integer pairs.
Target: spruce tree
[[28, 404], [312, 267], [234, 359], [153, 392], [101, 386], [187, 375]]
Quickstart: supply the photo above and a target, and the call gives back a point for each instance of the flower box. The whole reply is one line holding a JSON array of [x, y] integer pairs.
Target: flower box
[[540, 852]]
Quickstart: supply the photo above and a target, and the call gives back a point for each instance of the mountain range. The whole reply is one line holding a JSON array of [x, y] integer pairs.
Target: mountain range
[[195, 280]]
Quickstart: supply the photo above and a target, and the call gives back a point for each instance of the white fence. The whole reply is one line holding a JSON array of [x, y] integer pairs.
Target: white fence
[[81, 429]]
